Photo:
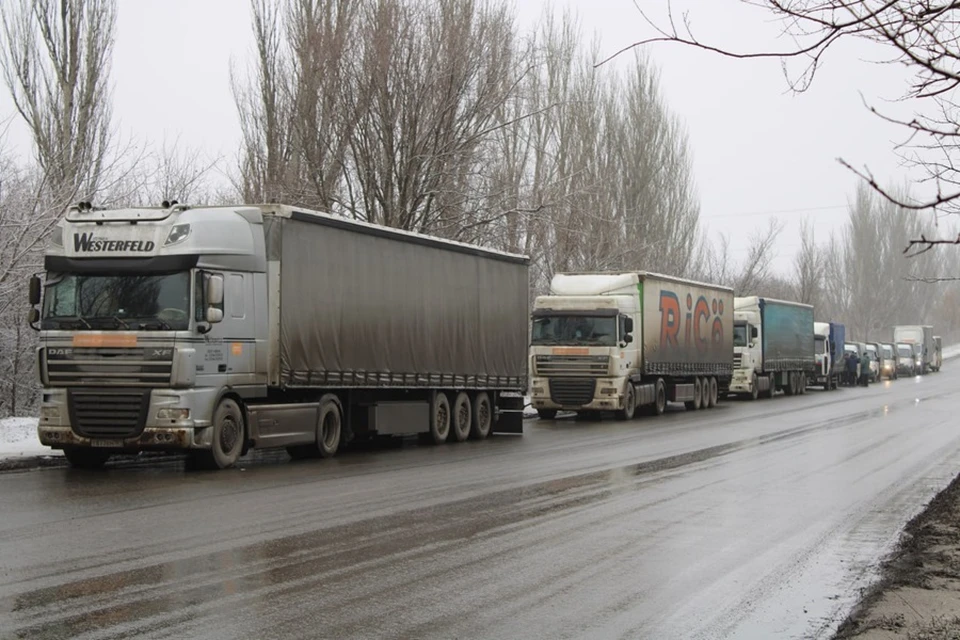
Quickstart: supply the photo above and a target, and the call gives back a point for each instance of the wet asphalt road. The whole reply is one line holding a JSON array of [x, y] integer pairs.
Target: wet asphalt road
[[753, 520]]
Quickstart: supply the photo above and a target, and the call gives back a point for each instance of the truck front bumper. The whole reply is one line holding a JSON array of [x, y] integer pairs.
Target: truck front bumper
[[742, 381], [607, 394], [176, 419]]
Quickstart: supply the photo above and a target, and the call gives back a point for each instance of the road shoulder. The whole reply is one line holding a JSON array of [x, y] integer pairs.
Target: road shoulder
[[918, 594]]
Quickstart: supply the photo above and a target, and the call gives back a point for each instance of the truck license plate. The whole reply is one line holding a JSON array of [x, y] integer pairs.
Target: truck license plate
[[111, 444]]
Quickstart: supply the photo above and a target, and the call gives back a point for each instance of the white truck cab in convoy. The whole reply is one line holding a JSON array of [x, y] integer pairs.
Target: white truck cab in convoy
[[617, 342]]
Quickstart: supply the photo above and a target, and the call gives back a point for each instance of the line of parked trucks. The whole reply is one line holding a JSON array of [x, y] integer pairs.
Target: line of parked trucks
[[216, 330]]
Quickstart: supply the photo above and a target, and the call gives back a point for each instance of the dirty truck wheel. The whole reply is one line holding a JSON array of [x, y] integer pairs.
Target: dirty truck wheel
[[329, 427], [83, 458], [629, 404], [547, 414], [659, 398], [439, 418], [460, 417], [714, 392], [693, 405], [227, 438], [483, 416], [754, 387], [704, 393]]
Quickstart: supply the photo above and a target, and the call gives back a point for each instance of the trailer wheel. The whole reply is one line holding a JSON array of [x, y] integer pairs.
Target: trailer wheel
[[329, 426], [482, 416], [83, 458], [693, 405], [704, 393], [754, 387], [773, 386], [714, 392], [439, 418], [803, 384], [629, 403], [547, 414], [659, 398], [461, 417]]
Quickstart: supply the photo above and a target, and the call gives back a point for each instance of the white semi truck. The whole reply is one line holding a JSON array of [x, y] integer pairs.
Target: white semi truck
[[922, 337], [617, 342], [774, 347], [213, 330]]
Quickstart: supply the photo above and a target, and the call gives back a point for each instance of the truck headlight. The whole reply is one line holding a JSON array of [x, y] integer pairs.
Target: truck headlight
[[173, 414], [538, 391], [50, 413], [608, 391]]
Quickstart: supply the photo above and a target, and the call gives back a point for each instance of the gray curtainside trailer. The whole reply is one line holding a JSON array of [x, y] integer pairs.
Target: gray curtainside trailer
[[219, 329]]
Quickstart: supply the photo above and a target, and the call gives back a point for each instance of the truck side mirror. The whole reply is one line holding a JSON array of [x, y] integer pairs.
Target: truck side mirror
[[35, 287], [214, 293], [214, 315], [754, 333], [628, 338], [32, 317], [628, 326]]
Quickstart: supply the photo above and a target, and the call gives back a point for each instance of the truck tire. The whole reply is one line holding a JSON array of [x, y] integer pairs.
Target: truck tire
[[772, 386], [460, 417], [754, 387], [483, 416], [629, 404], [329, 426], [791, 388], [714, 392], [547, 414], [704, 393], [439, 418], [227, 439], [693, 405], [659, 398], [84, 458]]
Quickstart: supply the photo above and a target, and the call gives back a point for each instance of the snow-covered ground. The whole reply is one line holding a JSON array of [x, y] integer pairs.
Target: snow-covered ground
[[18, 439]]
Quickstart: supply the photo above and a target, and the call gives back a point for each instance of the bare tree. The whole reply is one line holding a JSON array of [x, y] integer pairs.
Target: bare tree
[[808, 267], [756, 268], [56, 63], [920, 35]]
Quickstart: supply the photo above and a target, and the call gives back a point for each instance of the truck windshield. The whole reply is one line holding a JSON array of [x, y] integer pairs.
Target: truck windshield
[[887, 352], [820, 345], [151, 302], [562, 329], [739, 335], [904, 350]]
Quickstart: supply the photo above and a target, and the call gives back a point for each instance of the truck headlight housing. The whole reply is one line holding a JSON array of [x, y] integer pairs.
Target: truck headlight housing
[[168, 413], [178, 233]]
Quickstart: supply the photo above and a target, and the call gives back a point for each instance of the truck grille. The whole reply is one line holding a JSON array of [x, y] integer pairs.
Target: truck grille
[[572, 392], [108, 413], [572, 365], [74, 366]]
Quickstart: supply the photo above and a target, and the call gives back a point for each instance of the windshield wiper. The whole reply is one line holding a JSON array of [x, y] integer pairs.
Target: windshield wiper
[[164, 325], [121, 321], [76, 319]]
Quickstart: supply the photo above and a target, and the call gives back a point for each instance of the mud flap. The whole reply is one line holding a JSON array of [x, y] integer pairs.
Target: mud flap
[[509, 414]]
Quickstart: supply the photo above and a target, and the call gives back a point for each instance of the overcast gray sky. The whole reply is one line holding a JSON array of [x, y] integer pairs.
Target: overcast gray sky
[[758, 150]]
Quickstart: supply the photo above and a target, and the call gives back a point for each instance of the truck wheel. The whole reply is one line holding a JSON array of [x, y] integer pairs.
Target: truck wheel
[[704, 393], [329, 426], [803, 384], [659, 398], [547, 414], [754, 387], [483, 416], [629, 404], [439, 418], [714, 392], [227, 439], [461, 417], [83, 458], [772, 386], [693, 405]]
